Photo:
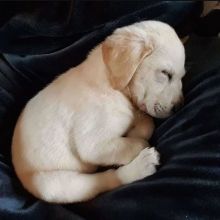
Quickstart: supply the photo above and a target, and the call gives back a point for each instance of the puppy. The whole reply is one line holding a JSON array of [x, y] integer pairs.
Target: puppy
[[98, 113]]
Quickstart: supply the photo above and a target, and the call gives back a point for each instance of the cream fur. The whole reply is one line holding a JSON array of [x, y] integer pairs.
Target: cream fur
[[89, 116]]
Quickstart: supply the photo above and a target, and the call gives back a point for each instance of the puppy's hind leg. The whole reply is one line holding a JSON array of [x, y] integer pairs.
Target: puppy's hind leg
[[65, 186]]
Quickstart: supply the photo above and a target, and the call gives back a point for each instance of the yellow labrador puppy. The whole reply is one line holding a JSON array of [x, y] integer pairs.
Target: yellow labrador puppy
[[95, 114]]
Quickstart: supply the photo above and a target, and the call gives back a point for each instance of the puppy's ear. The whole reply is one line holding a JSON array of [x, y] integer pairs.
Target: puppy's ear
[[122, 53]]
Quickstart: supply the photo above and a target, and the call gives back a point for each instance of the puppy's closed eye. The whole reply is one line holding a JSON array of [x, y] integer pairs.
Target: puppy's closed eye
[[163, 76], [168, 74]]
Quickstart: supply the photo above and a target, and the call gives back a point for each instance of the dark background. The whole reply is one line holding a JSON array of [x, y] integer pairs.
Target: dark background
[[40, 40]]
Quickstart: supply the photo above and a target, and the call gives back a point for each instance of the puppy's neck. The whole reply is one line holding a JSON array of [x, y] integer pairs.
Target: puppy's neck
[[127, 92]]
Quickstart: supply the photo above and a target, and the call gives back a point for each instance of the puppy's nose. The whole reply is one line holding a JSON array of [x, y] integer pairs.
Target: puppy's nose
[[178, 105]]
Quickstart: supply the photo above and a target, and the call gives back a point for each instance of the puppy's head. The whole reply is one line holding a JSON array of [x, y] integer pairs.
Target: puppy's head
[[147, 58]]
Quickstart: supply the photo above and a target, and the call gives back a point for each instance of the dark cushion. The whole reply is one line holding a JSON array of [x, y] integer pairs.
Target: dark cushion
[[186, 185], [39, 27]]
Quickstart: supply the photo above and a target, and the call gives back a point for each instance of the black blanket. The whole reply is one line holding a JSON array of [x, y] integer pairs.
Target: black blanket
[[35, 48]]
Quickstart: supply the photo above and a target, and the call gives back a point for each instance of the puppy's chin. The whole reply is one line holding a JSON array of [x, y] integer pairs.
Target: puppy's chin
[[159, 114], [162, 116], [155, 114]]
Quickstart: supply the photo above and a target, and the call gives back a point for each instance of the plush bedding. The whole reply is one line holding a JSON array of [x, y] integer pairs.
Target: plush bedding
[[187, 184]]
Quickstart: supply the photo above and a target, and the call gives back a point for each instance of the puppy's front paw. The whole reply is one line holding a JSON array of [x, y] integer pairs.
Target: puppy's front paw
[[145, 163], [142, 166]]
